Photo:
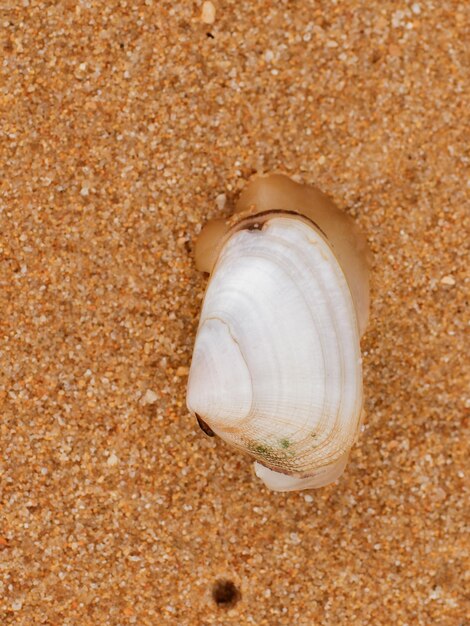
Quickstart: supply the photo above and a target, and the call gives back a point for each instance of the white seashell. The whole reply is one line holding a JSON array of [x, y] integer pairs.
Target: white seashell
[[276, 369]]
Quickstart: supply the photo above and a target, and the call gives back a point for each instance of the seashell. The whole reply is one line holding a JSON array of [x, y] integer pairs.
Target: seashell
[[276, 369]]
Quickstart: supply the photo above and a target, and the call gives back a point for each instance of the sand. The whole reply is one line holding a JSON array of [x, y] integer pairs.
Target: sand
[[124, 126]]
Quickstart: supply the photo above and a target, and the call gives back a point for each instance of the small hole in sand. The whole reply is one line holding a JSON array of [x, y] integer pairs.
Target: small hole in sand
[[225, 593]]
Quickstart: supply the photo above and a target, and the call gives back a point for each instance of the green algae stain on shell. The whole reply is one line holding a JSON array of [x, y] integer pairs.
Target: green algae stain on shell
[[277, 455]]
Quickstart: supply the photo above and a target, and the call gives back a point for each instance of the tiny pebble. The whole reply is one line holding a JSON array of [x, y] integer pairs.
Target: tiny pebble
[[208, 12], [220, 201], [448, 280], [150, 397], [268, 56], [112, 460], [182, 371], [308, 498]]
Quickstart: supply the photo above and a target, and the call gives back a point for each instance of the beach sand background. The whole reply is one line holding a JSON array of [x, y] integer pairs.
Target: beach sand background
[[126, 125]]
